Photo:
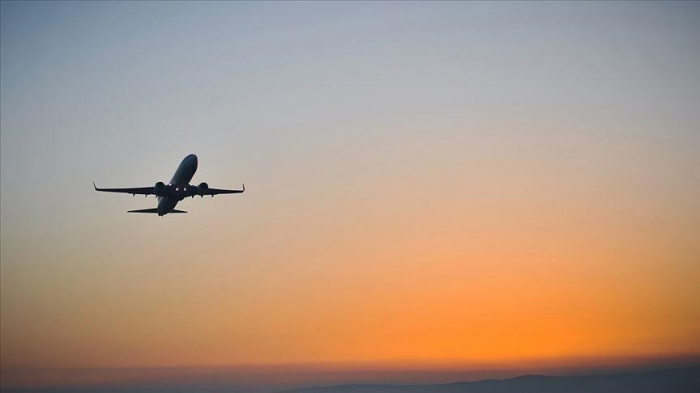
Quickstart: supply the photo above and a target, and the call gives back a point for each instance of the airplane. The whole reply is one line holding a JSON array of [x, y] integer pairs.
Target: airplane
[[178, 189]]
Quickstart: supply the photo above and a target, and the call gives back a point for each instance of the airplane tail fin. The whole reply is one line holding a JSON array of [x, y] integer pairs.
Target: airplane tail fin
[[154, 210]]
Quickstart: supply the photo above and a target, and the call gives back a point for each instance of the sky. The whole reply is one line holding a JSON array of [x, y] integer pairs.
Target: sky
[[426, 183]]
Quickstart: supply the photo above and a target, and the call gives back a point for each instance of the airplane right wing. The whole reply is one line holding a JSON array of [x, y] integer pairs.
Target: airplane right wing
[[133, 191]]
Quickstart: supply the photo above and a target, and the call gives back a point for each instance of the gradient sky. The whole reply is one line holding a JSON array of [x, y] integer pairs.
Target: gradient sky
[[434, 182]]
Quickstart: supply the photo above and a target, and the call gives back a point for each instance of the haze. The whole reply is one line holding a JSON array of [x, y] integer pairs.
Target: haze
[[447, 183]]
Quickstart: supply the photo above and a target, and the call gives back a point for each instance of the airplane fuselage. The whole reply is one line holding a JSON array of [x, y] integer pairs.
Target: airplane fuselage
[[181, 180]]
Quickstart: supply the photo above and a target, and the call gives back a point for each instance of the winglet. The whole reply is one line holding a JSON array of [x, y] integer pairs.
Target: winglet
[[93, 184], [243, 187]]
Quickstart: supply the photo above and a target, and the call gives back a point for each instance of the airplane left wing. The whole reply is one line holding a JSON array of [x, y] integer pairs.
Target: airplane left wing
[[215, 191], [133, 191]]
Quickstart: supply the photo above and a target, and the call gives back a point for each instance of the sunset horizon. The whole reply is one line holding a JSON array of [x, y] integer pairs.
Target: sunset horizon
[[304, 374]]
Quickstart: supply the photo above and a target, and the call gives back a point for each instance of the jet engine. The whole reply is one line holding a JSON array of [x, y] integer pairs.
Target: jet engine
[[202, 188], [159, 188]]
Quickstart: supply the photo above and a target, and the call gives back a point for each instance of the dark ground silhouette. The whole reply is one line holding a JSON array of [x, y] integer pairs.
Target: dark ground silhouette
[[684, 379]]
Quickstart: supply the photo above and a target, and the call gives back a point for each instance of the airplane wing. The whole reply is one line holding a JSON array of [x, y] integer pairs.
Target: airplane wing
[[133, 191], [215, 191]]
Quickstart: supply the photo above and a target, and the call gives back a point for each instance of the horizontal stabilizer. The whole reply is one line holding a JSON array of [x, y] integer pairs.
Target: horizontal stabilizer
[[154, 210]]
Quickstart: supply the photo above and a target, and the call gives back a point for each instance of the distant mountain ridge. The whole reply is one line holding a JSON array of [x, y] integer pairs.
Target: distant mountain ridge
[[682, 380]]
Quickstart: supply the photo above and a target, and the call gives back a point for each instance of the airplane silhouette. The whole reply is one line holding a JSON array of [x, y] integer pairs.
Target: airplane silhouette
[[178, 189]]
